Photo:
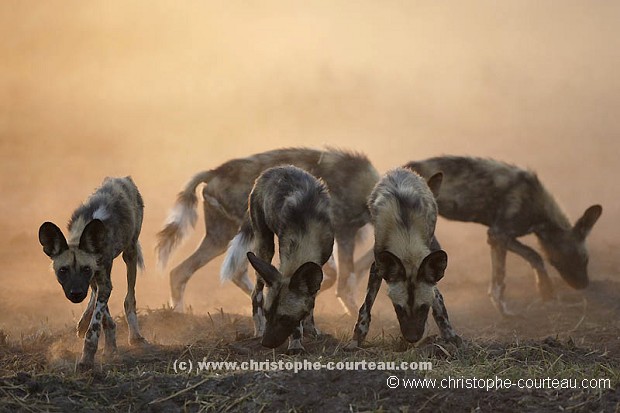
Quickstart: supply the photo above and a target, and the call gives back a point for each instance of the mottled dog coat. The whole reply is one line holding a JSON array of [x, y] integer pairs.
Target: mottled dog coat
[[350, 178], [294, 206], [512, 202], [105, 226], [407, 256]]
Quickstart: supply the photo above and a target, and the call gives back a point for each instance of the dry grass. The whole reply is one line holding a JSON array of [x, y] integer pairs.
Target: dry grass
[[37, 372]]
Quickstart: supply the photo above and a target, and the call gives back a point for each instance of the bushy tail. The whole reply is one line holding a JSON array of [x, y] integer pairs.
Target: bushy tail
[[236, 261], [181, 219]]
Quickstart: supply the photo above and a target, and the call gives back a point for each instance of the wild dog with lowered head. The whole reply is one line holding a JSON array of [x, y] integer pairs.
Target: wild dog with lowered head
[[295, 206], [107, 224], [349, 176], [512, 202], [407, 255]]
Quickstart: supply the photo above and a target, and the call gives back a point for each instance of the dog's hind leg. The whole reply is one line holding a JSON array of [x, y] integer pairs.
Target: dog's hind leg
[[363, 263], [242, 280], [330, 273], [130, 256], [220, 230], [347, 281], [363, 320], [498, 271]]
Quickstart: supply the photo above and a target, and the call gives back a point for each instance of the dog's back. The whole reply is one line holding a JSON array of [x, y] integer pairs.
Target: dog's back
[[119, 205], [349, 176], [491, 193], [295, 206], [404, 214]]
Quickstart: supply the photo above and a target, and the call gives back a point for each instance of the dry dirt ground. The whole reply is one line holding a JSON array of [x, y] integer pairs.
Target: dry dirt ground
[[575, 337]]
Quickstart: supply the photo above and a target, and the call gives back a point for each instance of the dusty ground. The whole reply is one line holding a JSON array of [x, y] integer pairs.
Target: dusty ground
[[160, 90]]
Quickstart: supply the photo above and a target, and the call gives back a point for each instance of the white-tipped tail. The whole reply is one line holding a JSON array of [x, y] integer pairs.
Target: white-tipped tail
[[236, 261], [181, 219]]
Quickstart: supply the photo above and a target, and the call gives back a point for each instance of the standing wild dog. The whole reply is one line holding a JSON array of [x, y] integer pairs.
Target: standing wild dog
[[295, 206], [107, 224], [407, 255], [350, 177], [512, 202]]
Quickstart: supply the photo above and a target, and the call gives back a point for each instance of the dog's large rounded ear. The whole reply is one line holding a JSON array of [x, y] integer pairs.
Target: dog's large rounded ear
[[93, 237], [390, 267], [266, 271], [52, 240], [584, 225], [434, 183], [307, 279], [433, 267]]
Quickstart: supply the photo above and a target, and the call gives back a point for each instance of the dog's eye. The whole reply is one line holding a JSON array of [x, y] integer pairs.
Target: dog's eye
[[62, 271], [86, 270]]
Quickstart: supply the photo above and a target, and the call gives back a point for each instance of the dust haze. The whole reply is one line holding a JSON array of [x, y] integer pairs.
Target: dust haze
[[160, 90]]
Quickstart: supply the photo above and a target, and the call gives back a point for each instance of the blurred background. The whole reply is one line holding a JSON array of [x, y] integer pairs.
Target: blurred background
[[161, 90]]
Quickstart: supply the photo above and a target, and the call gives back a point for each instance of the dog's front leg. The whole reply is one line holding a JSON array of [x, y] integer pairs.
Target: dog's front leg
[[440, 314], [130, 256], [545, 288], [109, 328], [309, 325], [294, 342], [104, 289], [258, 313], [88, 313]]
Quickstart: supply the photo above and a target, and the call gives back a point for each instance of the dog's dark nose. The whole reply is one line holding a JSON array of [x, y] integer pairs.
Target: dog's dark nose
[[77, 296]]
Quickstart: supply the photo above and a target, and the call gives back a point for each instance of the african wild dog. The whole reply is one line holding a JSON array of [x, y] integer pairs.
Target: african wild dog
[[349, 176], [107, 224], [295, 206], [512, 202], [407, 255]]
